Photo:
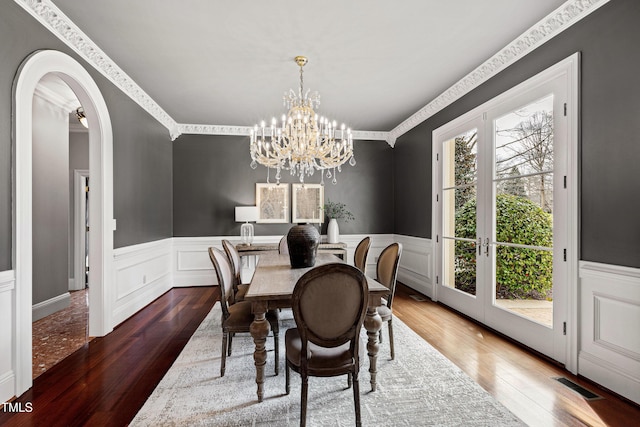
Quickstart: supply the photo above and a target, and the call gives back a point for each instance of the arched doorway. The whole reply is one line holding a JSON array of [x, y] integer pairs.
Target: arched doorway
[[31, 71]]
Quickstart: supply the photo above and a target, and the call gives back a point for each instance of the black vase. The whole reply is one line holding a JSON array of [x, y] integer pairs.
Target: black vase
[[303, 240]]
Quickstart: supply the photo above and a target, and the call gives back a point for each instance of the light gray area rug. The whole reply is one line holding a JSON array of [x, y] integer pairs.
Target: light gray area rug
[[419, 388]]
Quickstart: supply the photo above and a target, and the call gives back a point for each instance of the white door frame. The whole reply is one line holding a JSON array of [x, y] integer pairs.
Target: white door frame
[[569, 68], [79, 227], [31, 71]]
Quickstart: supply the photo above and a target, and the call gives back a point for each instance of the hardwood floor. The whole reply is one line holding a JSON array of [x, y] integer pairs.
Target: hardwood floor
[[108, 380], [519, 379]]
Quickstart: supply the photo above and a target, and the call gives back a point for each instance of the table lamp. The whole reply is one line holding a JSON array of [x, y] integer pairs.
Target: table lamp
[[246, 214]]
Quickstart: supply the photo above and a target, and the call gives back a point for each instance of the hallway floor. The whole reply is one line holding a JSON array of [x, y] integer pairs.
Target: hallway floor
[[60, 334]]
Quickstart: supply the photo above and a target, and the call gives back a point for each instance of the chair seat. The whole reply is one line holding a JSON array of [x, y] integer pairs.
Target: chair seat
[[242, 291], [384, 312], [330, 360]]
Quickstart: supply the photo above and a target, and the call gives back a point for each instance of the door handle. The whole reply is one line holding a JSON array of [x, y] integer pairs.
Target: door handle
[[486, 246], [479, 245]]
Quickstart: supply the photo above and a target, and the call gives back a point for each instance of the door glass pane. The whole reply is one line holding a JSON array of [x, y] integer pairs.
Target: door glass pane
[[460, 265], [459, 189], [523, 206]]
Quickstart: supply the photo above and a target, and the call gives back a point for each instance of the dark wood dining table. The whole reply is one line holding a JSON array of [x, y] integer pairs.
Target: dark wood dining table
[[271, 287]]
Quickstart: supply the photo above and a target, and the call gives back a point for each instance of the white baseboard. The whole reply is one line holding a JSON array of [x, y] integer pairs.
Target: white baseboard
[[50, 306], [609, 350]]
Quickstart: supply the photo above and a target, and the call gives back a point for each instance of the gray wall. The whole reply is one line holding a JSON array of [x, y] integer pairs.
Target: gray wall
[[142, 147], [610, 133], [212, 176], [50, 201]]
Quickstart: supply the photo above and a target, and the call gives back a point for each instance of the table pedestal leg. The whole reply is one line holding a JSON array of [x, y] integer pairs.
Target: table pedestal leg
[[259, 332], [372, 323]]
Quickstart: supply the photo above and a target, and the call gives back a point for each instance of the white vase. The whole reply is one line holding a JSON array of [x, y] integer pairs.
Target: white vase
[[333, 233]]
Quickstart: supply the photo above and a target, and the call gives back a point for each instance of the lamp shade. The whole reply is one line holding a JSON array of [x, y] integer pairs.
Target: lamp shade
[[246, 213]]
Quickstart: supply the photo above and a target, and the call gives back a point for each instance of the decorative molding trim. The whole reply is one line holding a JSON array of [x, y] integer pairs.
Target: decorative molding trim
[[196, 129], [62, 27], [609, 305], [7, 281], [56, 99], [553, 24]]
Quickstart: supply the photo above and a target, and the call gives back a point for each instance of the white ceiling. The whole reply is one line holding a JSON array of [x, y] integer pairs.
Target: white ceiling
[[374, 63]]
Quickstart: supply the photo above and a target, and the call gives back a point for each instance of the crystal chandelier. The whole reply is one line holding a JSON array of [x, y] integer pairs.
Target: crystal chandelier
[[302, 142]]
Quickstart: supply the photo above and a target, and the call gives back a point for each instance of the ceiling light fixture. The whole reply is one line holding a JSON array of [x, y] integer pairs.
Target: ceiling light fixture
[[302, 142], [81, 117]]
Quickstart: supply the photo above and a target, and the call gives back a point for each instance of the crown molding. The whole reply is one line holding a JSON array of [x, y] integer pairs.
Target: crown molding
[[55, 98], [553, 24], [196, 129], [62, 27]]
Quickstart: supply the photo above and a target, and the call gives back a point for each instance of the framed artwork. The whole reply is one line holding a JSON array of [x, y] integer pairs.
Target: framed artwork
[[272, 201], [307, 203]]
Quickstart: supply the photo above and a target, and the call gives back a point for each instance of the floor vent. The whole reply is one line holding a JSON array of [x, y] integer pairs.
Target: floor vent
[[586, 394], [417, 297]]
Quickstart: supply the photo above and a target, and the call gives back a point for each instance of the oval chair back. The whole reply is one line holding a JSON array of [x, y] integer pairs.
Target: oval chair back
[[360, 256]]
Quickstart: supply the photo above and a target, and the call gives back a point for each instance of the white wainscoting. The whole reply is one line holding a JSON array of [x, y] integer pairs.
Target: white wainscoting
[[193, 267], [416, 263], [142, 273], [609, 350], [7, 352]]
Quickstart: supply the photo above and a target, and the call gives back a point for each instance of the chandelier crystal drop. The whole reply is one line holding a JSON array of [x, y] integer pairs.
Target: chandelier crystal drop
[[301, 141]]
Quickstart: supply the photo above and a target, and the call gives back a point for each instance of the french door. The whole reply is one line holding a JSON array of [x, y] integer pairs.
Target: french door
[[501, 212]]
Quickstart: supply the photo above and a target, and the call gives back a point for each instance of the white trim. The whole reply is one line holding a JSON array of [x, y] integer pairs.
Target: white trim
[[7, 280], [142, 273], [550, 26], [79, 231], [31, 71], [562, 348], [50, 306], [609, 351], [416, 264], [53, 19], [547, 28], [201, 129]]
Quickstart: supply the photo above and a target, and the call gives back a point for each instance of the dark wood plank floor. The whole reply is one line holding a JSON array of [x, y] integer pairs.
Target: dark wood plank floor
[[107, 381]]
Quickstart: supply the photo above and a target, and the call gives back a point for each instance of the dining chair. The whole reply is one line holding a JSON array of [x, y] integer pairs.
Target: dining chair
[[239, 289], [386, 273], [236, 318], [360, 256], [283, 246], [329, 303]]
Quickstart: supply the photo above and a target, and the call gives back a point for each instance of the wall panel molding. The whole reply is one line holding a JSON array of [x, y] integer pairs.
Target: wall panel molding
[[7, 309], [141, 273], [610, 303], [416, 263]]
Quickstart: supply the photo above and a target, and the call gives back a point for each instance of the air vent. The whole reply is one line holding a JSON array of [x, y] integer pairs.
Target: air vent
[[586, 394], [417, 297]]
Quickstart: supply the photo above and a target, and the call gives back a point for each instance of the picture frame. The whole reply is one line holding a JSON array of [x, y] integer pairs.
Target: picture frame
[[307, 202], [272, 201]]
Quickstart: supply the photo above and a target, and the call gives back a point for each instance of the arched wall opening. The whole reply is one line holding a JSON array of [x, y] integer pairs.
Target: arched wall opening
[[31, 71]]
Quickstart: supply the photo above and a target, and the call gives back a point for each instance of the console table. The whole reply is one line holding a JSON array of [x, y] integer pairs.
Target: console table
[[339, 249]]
